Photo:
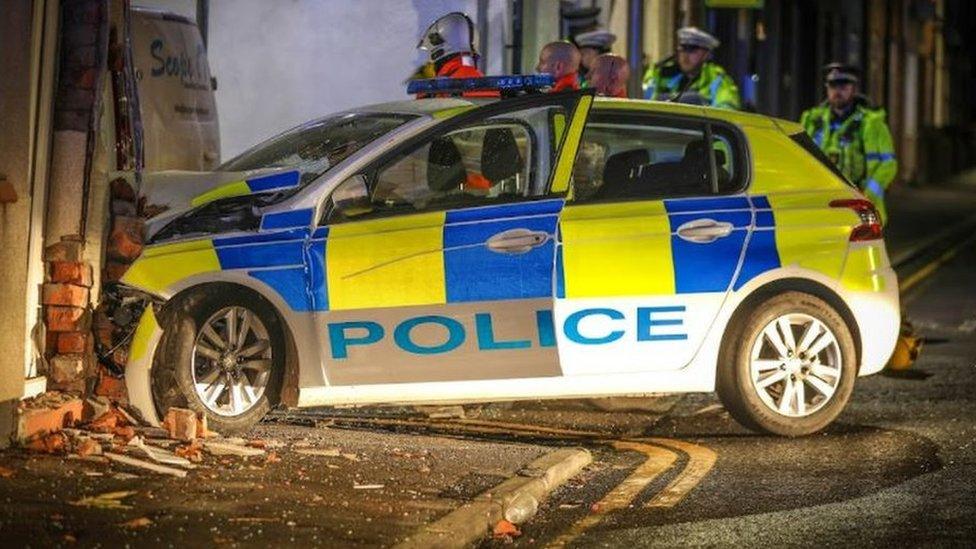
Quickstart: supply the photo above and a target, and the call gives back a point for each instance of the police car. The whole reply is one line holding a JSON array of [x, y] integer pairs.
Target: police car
[[453, 250]]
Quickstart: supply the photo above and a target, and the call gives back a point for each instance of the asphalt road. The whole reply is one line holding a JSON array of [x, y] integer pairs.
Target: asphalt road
[[898, 468]]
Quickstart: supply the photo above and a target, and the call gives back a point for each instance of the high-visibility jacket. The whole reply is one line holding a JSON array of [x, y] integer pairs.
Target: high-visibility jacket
[[859, 143], [712, 87]]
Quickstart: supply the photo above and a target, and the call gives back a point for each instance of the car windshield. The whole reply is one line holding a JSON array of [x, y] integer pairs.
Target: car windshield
[[316, 147]]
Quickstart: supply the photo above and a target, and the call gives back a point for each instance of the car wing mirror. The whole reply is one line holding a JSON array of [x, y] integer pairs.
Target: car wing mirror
[[351, 197]]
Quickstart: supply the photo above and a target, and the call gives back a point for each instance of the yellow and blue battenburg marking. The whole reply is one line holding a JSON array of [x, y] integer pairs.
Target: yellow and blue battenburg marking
[[472, 272], [443, 257], [264, 183], [761, 252], [634, 249]]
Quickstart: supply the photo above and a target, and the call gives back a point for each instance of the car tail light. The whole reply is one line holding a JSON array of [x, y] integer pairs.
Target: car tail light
[[870, 226]]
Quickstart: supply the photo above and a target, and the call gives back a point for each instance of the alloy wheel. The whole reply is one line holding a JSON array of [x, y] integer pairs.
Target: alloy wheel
[[796, 365], [232, 360]]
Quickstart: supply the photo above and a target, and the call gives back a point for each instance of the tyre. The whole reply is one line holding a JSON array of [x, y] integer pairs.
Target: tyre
[[222, 354], [787, 365]]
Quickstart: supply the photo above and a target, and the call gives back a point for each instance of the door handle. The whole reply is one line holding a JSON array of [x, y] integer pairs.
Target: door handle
[[703, 231], [517, 241]]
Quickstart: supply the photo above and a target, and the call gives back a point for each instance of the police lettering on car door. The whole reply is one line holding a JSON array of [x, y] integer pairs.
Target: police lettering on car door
[[652, 324]]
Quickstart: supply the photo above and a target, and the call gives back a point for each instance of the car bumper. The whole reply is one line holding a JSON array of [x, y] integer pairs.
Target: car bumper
[[878, 317]]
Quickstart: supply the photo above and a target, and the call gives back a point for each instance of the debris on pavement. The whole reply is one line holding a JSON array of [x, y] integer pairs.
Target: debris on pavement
[[327, 452], [225, 448], [53, 443], [367, 486], [108, 500], [88, 447], [192, 451], [140, 522], [127, 460], [505, 530], [160, 455], [181, 424], [112, 434]]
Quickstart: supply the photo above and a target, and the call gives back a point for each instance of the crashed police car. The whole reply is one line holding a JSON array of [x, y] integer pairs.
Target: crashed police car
[[455, 250]]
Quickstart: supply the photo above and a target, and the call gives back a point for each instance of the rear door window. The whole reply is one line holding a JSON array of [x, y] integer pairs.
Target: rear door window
[[627, 157]]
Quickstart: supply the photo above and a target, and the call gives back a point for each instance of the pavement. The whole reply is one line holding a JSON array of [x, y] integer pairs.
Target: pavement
[[315, 485], [898, 467]]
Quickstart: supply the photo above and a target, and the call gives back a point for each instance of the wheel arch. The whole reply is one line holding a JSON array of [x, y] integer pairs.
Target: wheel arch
[[797, 284], [185, 298]]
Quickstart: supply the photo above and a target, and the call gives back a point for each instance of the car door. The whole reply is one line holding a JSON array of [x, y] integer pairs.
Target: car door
[[446, 272], [650, 243]]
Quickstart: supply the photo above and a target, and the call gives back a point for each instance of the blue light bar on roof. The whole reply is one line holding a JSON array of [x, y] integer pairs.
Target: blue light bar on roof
[[506, 83]]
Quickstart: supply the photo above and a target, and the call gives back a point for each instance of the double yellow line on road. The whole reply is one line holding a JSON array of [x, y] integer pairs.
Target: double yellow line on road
[[660, 455], [930, 268]]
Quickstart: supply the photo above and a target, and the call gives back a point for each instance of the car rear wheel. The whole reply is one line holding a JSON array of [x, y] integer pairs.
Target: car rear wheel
[[222, 354], [787, 366]]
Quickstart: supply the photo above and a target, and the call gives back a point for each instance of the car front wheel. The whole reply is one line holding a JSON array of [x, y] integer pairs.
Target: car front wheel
[[222, 354], [788, 366]]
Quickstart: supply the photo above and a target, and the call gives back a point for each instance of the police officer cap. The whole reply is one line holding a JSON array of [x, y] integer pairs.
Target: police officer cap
[[600, 39], [840, 73], [693, 36]]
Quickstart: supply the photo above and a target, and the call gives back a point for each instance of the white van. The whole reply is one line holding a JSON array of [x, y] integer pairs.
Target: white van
[[176, 92]]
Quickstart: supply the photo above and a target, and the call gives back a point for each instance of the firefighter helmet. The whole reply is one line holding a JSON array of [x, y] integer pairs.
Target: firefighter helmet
[[449, 34]]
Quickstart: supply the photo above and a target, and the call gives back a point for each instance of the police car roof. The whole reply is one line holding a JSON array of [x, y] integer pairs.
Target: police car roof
[[449, 106], [428, 107]]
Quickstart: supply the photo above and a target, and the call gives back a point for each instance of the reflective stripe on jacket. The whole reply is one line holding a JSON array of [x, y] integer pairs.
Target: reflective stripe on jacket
[[860, 144], [713, 87]]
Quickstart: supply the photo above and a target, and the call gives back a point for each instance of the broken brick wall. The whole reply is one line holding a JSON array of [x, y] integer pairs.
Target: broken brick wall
[[66, 294], [96, 225], [115, 319]]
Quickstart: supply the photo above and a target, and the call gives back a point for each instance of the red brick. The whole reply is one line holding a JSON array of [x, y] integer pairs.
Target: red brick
[[71, 272], [50, 343], [66, 319], [104, 330], [125, 240], [121, 189], [88, 447], [111, 387], [114, 270], [202, 430], [181, 424], [54, 443], [74, 342], [105, 423], [66, 369], [66, 250], [36, 422], [64, 294]]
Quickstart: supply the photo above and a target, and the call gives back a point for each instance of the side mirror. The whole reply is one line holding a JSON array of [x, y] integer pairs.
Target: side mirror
[[351, 197]]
